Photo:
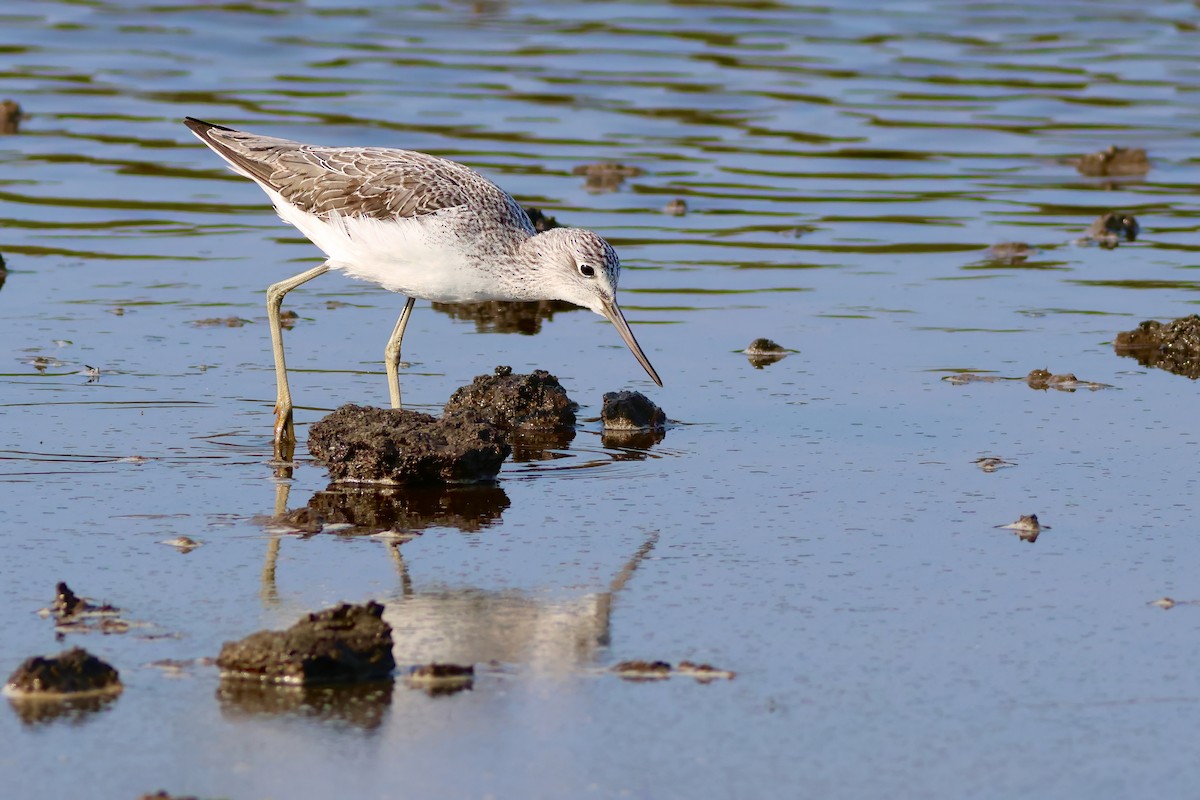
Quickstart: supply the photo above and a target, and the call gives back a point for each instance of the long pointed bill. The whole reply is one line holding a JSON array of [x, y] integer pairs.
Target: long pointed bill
[[613, 312]]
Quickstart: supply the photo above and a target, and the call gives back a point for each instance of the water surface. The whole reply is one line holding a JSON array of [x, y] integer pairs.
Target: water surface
[[817, 525]]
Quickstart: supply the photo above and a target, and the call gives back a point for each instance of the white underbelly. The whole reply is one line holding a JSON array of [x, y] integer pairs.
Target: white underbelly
[[419, 258]]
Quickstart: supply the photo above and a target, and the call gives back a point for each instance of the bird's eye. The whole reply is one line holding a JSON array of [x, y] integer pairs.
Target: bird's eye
[[587, 271]]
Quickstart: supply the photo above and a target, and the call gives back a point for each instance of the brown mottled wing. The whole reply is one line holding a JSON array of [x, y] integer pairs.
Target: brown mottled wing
[[373, 182]]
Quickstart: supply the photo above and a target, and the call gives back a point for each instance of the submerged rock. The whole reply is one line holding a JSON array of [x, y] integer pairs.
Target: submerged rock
[[1114, 161], [606, 177], [394, 446], [1173, 346], [536, 401], [630, 411], [72, 672], [10, 117], [344, 644], [1010, 252], [1110, 228]]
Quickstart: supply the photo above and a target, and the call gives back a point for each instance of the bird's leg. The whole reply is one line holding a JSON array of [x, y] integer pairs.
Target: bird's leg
[[391, 353], [285, 434]]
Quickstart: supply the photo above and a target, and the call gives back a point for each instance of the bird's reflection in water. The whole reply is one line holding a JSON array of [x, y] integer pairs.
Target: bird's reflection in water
[[463, 625]]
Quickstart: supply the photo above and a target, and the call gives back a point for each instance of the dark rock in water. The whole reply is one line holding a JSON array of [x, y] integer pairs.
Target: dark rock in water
[[66, 602], [375, 445], [1173, 346], [630, 411], [344, 644], [162, 794], [71, 672], [536, 401], [764, 347], [10, 117], [1044, 379], [505, 316], [763, 351], [1111, 227], [1114, 161], [540, 221]]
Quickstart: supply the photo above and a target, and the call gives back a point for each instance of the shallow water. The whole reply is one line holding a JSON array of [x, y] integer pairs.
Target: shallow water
[[817, 525]]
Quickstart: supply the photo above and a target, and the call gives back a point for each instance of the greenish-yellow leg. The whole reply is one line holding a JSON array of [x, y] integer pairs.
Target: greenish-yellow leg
[[391, 353], [285, 433]]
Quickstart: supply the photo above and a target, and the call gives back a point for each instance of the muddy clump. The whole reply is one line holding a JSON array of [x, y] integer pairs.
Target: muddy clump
[[763, 351], [70, 673], [606, 177], [1111, 228], [1026, 527], [506, 316], [532, 402], [992, 463], [676, 208], [394, 446], [227, 322], [643, 670], [75, 614], [1173, 346], [640, 671], [1114, 161], [630, 411], [540, 221], [344, 644], [10, 117]]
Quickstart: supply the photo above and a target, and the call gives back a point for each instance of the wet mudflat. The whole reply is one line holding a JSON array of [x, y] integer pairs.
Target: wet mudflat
[[823, 526]]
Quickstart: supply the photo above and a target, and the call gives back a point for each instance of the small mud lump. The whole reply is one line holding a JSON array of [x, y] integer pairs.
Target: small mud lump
[[1114, 161], [1173, 346], [10, 117], [394, 446], [345, 644], [630, 411], [763, 351], [532, 402], [71, 672]]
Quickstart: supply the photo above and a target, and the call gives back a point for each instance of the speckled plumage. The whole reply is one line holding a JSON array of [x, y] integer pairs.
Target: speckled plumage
[[420, 225]]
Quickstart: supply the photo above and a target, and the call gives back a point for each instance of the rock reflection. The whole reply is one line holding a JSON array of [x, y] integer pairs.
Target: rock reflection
[[360, 706], [354, 510], [634, 443], [539, 445], [72, 710], [502, 316]]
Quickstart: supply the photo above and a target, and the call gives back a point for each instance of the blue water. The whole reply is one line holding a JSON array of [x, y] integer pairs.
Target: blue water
[[817, 526]]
